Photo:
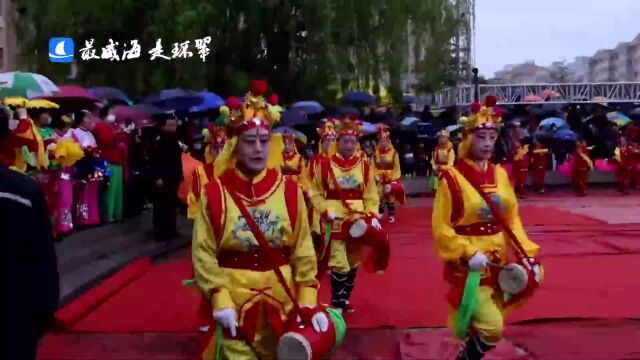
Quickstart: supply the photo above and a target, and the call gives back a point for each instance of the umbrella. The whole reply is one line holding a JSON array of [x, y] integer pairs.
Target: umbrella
[[294, 117], [409, 99], [41, 104], [618, 118], [296, 134], [565, 135], [25, 84], [426, 130], [409, 121], [110, 93], [532, 98], [210, 101], [368, 128], [140, 114], [453, 128], [74, 97], [360, 97], [348, 110], [310, 107], [553, 124], [175, 99]]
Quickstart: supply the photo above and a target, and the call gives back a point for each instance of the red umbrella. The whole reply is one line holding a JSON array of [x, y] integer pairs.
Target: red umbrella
[[73, 97], [140, 114]]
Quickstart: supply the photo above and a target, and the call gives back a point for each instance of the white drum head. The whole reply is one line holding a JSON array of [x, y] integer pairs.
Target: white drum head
[[513, 279], [387, 188], [293, 346], [358, 228]]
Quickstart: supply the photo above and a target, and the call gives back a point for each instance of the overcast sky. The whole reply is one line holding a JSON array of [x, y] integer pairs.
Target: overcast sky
[[514, 31]]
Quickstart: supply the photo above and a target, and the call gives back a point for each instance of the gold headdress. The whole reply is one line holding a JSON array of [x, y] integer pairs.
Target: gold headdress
[[483, 116], [325, 130], [254, 112], [350, 127], [444, 133]]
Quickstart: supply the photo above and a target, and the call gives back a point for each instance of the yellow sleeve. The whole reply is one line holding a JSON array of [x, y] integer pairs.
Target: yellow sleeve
[[448, 245], [395, 172], [433, 159], [617, 155], [192, 205], [204, 252], [512, 216], [451, 157], [370, 194], [316, 192], [303, 259]]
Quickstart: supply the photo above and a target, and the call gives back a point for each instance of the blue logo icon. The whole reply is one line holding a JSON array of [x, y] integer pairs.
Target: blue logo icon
[[61, 50]]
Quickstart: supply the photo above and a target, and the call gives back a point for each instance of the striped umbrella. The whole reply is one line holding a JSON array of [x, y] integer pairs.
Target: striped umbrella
[[618, 118], [26, 85]]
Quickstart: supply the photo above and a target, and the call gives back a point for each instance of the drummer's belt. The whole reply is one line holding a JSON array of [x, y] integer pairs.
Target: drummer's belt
[[475, 347], [478, 229], [253, 260]]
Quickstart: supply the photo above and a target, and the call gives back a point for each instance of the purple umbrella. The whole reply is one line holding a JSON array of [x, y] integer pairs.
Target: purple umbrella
[[140, 114], [73, 97], [359, 97], [175, 99]]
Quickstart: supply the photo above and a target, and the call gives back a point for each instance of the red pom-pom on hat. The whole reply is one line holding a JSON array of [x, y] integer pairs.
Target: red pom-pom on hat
[[233, 103], [274, 99], [475, 107], [352, 117], [498, 112], [258, 87], [490, 101]]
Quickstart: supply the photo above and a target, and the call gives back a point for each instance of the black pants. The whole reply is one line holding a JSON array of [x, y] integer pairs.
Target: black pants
[[165, 208]]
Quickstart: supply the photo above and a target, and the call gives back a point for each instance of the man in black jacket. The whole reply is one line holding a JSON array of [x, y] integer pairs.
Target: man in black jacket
[[30, 288], [166, 176]]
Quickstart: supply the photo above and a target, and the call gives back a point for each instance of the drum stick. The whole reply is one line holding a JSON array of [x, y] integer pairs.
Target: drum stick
[[496, 265]]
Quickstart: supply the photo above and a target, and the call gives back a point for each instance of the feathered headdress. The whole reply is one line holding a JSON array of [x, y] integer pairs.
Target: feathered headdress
[[350, 126], [253, 112]]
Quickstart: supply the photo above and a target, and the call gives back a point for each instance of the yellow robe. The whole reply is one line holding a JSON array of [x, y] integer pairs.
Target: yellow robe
[[387, 169], [455, 250], [294, 165], [443, 157], [243, 289], [355, 176], [201, 177]]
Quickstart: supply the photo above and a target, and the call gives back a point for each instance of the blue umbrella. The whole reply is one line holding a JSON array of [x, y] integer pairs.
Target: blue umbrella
[[553, 124], [408, 99], [109, 93], [294, 117], [368, 128], [426, 130], [175, 99], [310, 107], [565, 135], [409, 120], [453, 128], [360, 97], [210, 101]]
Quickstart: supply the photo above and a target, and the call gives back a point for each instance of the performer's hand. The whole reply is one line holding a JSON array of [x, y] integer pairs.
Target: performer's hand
[[387, 188], [478, 261], [533, 265], [228, 318], [331, 215], [376, 224], [319, 320], [377, 178]]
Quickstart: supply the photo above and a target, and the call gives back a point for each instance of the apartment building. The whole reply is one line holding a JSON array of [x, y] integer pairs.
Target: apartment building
[[526, 73], [8, 40]]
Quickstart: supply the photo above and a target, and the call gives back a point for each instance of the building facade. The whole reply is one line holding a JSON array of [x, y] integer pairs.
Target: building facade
[[8, 40]]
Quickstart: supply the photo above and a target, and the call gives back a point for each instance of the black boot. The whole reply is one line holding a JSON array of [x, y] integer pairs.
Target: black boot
[[381, 210], [349, 285], [475, 347], [392, 212], [339, 294]]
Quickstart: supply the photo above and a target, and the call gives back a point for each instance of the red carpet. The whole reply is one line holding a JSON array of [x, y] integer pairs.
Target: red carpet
[[91, 300], [411, 293]]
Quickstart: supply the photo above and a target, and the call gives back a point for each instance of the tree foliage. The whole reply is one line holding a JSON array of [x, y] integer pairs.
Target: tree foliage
[[304, 48]]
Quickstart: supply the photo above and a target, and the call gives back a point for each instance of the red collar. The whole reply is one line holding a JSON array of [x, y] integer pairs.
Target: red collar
[[287, 156], [346, 164], [257, 189], [486, 178]]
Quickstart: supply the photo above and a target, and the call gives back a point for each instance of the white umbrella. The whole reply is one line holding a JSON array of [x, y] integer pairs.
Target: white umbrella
[[24, 84]]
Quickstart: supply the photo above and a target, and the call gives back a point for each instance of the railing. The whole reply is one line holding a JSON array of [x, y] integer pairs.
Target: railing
[[516, 94]]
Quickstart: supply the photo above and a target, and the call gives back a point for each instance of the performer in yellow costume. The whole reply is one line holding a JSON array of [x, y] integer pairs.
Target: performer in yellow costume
[[216, 136], [387, 168], [344, 188], [443, 156], [327, 147], [249, 302], [470, 238], [293, 162]]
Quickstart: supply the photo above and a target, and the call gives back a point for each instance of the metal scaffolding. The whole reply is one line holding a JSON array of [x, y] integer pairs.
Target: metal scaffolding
[[515, 94]]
